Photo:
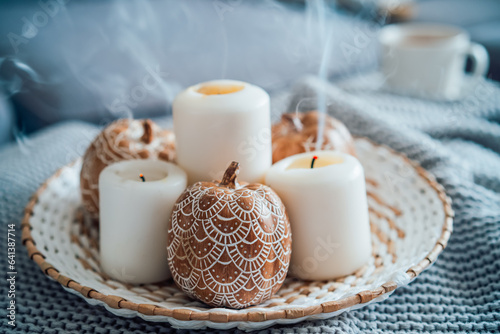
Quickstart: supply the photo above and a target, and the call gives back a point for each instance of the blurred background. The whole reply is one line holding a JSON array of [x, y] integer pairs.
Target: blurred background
[[100, 60]]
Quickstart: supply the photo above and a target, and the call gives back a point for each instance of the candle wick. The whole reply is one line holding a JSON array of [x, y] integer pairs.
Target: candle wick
[[142, 178], [313, 160]]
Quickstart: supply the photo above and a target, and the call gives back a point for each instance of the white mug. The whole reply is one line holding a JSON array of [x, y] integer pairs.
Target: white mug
[[428, 60]]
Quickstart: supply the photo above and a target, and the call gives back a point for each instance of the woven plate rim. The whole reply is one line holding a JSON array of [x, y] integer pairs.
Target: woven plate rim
[[117, 302]]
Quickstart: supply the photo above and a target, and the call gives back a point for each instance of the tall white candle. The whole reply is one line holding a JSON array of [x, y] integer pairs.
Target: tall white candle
[[134, 218], [328, 213], [222, 121]]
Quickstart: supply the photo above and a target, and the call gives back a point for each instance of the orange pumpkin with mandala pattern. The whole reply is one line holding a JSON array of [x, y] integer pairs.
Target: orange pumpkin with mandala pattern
[[124, 139], [298, 133], [229, 244]]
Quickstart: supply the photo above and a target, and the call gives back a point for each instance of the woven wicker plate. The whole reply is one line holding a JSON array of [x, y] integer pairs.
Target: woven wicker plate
[[411, 222]]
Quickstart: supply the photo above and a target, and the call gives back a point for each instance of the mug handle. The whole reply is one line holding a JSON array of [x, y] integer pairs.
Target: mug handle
[[480, 59]]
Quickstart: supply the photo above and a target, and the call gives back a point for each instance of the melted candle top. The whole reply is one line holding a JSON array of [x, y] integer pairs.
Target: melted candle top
[[219, 89], [305, 163]]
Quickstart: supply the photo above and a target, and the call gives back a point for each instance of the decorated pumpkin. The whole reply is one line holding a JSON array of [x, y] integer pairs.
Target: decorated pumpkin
[[123, 139], [229, 244], [298, 133]]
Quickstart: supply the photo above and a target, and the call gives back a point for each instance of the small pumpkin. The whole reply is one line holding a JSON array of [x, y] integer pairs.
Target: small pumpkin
[[123, 139], [298, 133], [229, 244]]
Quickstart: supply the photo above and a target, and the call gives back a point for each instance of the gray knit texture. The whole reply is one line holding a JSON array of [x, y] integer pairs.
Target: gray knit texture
[[458, 142]]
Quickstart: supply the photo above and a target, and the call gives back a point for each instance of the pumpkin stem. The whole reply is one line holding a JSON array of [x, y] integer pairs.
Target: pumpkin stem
[[229, 178], [147, 137], [294, 120]]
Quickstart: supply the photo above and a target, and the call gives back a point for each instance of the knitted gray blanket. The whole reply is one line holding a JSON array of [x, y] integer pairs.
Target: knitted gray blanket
[[458, 142]]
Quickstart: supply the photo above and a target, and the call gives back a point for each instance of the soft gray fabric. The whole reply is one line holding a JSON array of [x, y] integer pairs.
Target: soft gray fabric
[[6, 119], [459, 143]]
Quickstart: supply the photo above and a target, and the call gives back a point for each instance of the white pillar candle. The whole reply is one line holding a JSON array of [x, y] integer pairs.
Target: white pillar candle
[[134, 218], [328, 213], [222, 121]]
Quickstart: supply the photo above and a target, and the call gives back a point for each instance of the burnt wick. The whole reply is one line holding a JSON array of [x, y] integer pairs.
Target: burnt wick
[[313, 160], [142, 177]]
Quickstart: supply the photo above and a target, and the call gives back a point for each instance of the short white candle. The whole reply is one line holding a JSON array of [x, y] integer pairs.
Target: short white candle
[[134, 218], [328, 212], [222, 121]]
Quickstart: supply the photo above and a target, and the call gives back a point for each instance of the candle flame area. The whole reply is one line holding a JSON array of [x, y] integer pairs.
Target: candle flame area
[[219, 89], [314, 160], [141, 176], [307, 163]]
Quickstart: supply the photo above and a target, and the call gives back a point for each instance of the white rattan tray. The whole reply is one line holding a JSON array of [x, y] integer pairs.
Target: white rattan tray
[[411, 222]]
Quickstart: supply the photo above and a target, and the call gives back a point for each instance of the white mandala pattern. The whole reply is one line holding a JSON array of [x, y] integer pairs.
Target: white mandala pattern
[[229, 247], [116, 143]]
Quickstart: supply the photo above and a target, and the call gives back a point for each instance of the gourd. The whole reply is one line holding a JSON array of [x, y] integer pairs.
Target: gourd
[[229, 244], [298, 133]]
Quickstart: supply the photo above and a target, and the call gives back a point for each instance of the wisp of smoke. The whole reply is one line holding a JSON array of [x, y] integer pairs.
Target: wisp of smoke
[[325, 31], [96, 61]]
